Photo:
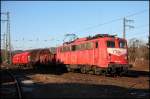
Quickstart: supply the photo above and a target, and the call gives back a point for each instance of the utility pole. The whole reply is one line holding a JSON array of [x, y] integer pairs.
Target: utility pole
[[124, 27], [8, 40], [125, 21], [4, 46]]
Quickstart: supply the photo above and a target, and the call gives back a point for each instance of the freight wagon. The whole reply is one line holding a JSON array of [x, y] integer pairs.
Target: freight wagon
[[99, 54], [34, 57]]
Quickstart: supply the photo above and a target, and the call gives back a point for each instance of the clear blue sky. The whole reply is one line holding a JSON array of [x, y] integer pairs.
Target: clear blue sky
[[50, 20]]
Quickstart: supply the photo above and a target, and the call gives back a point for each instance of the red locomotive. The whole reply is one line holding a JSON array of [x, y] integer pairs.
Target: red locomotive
[[102, 53]]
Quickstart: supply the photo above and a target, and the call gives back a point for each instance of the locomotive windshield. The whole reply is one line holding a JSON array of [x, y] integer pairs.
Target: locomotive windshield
[[122, 44], [111, 44]]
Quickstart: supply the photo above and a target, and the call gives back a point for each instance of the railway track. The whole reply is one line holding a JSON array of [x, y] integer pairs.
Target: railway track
[[10, 85], [44, 84]]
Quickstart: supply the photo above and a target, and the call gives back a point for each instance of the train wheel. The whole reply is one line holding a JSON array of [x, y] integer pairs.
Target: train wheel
[[104, 73], [83, 70], [97, 71], [121, 74], [68, 69]]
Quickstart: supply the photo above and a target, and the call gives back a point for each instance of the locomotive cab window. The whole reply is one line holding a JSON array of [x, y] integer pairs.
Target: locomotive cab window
[[111, 44], [122, 44]]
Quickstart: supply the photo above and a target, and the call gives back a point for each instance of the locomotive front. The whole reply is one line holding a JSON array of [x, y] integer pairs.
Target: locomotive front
[[117, 53]]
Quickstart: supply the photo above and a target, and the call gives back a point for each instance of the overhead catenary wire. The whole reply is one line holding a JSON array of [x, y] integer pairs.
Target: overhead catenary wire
[[142, 26], [137, 34], [91, 27], [138, 37], [139, 27], [31, 40], [98, 25], [137, 13], [114, 20]]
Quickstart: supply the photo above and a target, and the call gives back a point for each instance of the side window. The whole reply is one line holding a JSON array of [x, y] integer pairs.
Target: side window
[[66, 48], [61, 49], [89, 45], [73, 47], [78, 47], [82, 46], [96, 44]]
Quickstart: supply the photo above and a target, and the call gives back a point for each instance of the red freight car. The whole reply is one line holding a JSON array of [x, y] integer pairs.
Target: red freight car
[[24, 59], [34, 57], [15, 59], [102, 53], [21, 58]]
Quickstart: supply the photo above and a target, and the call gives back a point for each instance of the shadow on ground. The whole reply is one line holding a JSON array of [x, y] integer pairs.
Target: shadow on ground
[[78, 90], [135, 73], [56, 70], [59, 70]]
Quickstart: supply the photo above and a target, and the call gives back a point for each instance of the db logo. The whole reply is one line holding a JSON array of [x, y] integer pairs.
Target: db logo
[[117, 52]]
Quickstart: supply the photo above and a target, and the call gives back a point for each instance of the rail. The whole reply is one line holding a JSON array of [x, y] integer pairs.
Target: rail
[[17, 84]]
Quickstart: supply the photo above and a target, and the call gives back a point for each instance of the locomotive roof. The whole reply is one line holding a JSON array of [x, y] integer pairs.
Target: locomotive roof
[[90, 38]]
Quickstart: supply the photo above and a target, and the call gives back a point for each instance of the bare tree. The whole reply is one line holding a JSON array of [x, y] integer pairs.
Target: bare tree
[[138, 51]]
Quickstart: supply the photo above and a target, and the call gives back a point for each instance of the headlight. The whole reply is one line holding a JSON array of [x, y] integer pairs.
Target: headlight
[[28, 58], [125, 57]]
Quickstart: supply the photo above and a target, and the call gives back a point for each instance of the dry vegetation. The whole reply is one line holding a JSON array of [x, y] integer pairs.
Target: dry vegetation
[[138, 54]]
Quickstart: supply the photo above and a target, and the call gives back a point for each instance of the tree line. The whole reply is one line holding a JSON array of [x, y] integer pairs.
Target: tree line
[[138, 52]]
